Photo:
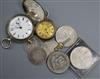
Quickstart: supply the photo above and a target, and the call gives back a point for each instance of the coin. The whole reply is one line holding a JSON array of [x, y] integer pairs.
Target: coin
[[81, 57], [49, 46], [58, 62], [37, 56], [66, 35]]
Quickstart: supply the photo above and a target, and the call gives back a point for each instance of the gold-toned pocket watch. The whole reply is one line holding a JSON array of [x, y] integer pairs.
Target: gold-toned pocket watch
[[45, 29], [19, 28]]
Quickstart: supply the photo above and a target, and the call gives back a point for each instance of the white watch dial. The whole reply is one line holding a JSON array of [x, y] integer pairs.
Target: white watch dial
[[66, 35], [36, 9], [81, 57], [20, 27]]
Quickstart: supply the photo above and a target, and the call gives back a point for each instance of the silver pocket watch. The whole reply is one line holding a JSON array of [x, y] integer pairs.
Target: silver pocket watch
[[34, 10], [19, 28]]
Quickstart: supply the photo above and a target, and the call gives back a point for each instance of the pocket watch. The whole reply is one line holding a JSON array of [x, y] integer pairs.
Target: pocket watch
[[20, 28], [58, 62], [66, 36], [34, 10], [45, 29]]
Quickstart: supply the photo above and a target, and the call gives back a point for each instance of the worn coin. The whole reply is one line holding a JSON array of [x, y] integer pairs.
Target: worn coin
[[58, 62], [81, 57], [37, 56], [66, 35]]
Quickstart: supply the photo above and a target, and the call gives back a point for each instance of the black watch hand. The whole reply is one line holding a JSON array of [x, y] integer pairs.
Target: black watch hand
[[19, 25]]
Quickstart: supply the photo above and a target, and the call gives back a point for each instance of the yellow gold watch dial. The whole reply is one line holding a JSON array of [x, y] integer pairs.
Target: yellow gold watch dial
[[45, 29]]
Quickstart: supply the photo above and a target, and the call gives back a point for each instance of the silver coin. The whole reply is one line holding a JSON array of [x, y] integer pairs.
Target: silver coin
[[81, 57], [37, 56], [66, 35], [58, 62], [49, 46]]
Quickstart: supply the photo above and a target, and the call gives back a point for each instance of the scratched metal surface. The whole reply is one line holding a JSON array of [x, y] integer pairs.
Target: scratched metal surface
[[83, 15]]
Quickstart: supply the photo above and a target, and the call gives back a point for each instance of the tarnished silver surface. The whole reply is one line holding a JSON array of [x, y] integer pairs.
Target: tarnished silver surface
[[37, 56], [34, 9], [81, 58], [49, 46], [58, 62], [31, 45], [66, 35]]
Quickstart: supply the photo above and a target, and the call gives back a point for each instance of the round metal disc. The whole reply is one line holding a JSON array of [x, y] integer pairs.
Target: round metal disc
[[58, 62], [49, 46], [37, 56], [66, 35], [81, 57]]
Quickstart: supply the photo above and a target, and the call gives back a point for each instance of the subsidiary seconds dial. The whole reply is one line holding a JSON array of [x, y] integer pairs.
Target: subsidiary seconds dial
[[20, 27]]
